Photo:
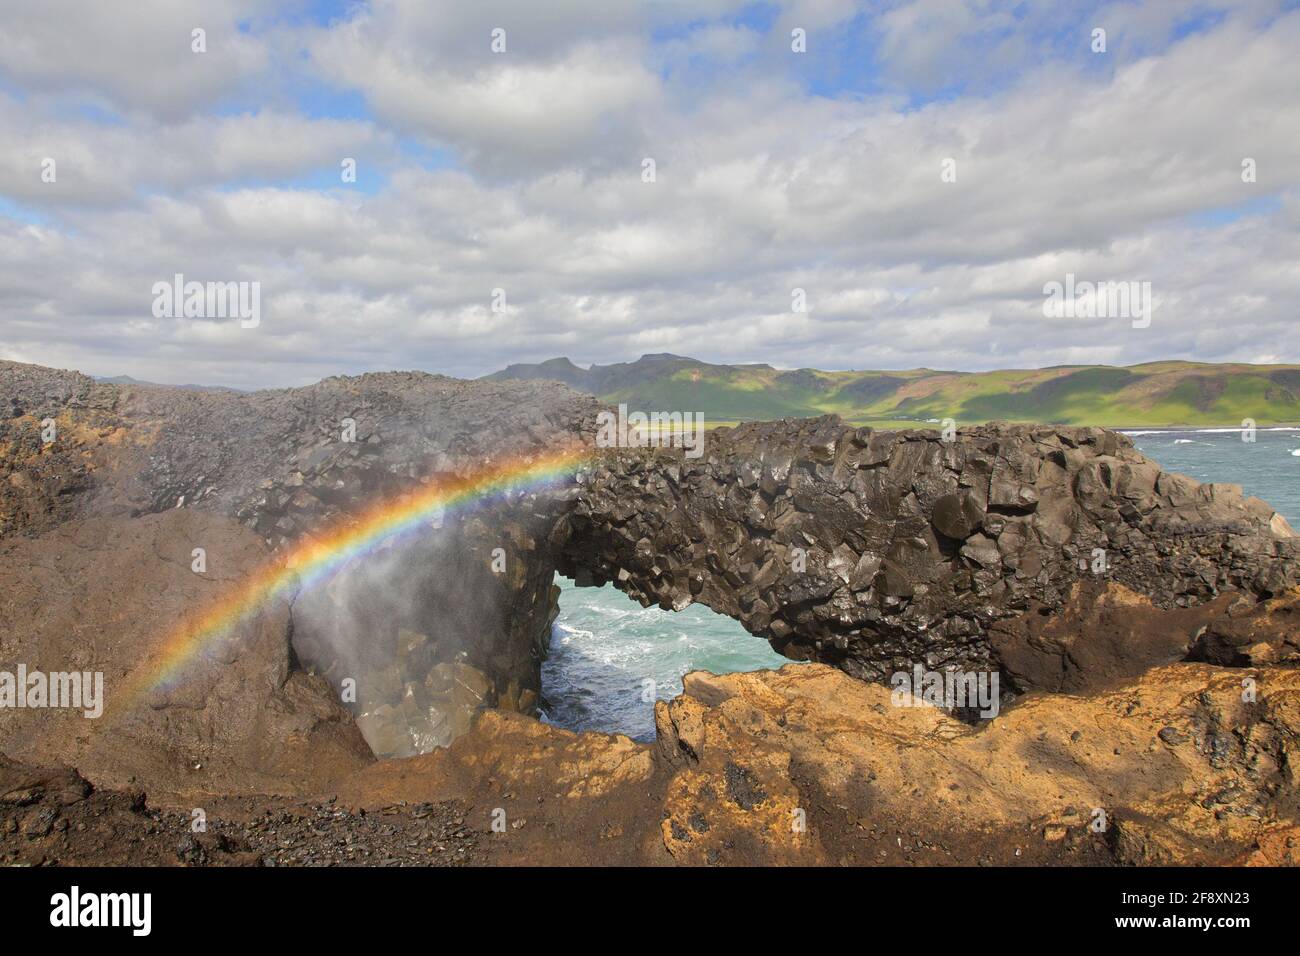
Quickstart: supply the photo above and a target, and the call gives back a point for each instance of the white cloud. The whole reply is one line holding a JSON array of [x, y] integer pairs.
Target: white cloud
[[134, 56], [761, 187], [102, 163]]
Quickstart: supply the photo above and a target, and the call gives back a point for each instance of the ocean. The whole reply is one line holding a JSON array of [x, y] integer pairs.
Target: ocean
[[611, 659]]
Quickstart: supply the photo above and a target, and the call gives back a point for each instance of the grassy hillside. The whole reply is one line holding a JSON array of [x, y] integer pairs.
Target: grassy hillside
[[1154, 394]]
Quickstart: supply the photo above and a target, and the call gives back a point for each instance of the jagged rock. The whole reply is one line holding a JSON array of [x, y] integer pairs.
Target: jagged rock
[[957, 515], [1072, 770], [936, 541], [806, 765]]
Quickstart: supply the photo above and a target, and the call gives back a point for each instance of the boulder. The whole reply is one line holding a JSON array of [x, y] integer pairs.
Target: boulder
[[957, 515]]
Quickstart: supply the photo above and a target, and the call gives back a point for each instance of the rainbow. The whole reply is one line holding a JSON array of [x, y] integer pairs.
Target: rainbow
[[317, 556]]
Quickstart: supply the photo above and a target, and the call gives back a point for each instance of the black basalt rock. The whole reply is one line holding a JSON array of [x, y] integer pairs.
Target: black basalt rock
[[876, 550]]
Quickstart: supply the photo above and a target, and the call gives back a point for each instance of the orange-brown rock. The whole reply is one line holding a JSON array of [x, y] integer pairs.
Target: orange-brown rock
[[1103, 635], [1250, 634], [807, 766], [1180, 766], [555, 797], [105, 595]]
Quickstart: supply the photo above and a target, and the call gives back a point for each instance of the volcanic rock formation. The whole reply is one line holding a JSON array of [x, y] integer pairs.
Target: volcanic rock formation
[[438, 636], [806, 765], [874, 551], [1059, 558], [1173, 768]]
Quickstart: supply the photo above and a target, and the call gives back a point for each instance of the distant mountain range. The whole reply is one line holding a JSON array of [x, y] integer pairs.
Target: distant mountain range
[[128, 380], [1153, 394]]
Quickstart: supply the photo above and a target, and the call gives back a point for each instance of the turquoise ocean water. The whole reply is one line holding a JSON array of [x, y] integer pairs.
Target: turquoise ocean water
[[606, 647]]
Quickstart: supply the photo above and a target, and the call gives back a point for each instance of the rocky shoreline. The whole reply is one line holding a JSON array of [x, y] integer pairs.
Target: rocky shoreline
[[1142, 626], [1171, 770]]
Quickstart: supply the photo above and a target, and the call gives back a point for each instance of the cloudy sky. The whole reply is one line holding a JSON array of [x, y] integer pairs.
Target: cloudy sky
[[523, 170]]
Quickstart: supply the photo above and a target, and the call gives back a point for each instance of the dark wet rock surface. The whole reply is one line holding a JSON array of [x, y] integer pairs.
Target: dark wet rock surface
[[873, 551]]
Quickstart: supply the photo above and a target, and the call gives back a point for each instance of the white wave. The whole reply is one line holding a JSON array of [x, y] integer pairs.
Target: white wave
[[612, 613]]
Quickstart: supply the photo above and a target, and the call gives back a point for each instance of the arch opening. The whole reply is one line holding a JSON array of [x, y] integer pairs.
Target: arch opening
[[610, 658]]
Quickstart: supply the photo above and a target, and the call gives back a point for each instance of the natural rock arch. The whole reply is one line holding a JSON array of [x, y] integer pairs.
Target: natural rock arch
[[874, 550], [870, 550]]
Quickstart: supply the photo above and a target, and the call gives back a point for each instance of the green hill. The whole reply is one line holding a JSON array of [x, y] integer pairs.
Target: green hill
[[1153, 394]]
